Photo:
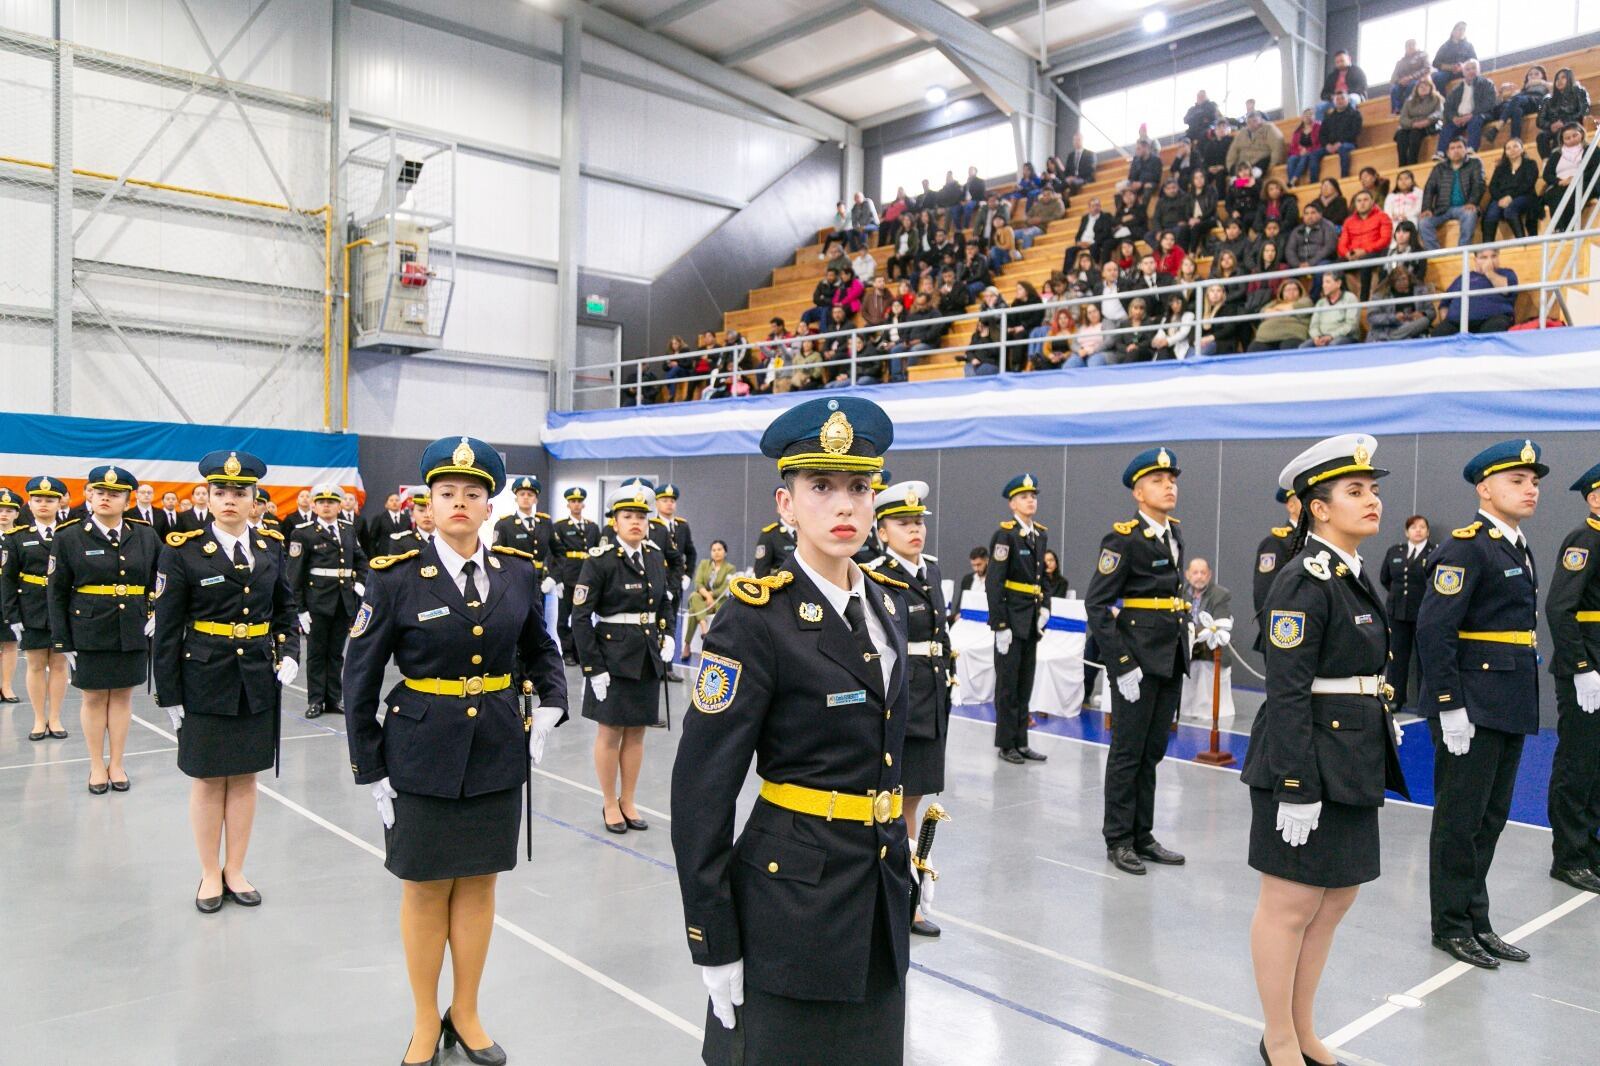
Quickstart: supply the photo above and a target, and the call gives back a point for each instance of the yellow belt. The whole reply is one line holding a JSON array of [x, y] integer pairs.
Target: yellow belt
[[33, 579], [236, 630], [1587, 616], [459, 686], [843, 806], [1018, 586], [111, 590], [1524, 638], [577, 555], [1160, 604]]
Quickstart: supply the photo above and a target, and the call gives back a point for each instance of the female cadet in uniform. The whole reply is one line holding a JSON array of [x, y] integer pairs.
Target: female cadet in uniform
[[804, 921], [10, 508], [620, 614], [101, 571], [225, 638], [461, 621], [1323, 747], [902, 529], [26, 606]]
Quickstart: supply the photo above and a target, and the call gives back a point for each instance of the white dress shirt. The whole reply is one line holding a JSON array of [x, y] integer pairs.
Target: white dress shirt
[[1352, 561], [1163, 529], [226, 541], [838, 598], [453, 562]]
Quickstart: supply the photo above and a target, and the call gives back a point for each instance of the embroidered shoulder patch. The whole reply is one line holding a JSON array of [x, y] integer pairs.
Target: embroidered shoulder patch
[[1266, 562], [1002, 552], [580, 595], [761, 551], [295, 548], [1109, 560], [161, 585], [1448, 580], [363, 619], [716, 683], [1286, 629], [1575, 558]]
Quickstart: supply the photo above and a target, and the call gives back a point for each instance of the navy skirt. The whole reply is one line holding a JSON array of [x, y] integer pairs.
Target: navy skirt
[[433, 838], [99, 670], [1342, 850]]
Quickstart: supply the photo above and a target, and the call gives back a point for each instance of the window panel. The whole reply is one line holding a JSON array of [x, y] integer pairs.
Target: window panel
[[1519, 31], [1256, 76], [1481, 17], [1151, 104], [1382, 41], [1213, 79], [1588, 16], [991, 149], [1107, 120]]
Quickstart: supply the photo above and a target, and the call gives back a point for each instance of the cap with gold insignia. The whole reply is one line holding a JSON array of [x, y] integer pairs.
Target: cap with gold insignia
[[232, 468], [527, 483], [112, 478], [1334, 457], [46, 486], [420, 497], [635, 494], [1150, 461], [327, 492], [1587, 483], [904, 499], [1283, 495], [1507, 455], [668, 491], [10, 499], [881, 480], [263, 496], [468, 456], [576, 493], [1021, 483], [843, 434]]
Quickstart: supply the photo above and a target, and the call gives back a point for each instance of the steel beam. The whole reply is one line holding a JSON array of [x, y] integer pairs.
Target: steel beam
[[572, 28], [1196, 20], [1300, 28], [676, 13], [338, 137], [61, 213], [789, 32]]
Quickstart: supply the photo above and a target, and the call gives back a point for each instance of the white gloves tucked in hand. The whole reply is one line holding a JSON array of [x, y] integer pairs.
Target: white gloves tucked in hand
[[1399, 734], [1297, 820], [669, 649], [287, 671], [361, 590], [16, 630], [383, 795], [305, 622], [547, 586], [150, 626], [1002, 641], [175, 716], [544, 720], [599, 684], [926, 881], [561, 591], [1458, 730], [725, 984], [1128, 684], [1588, 686], [1044, 619], [686, 582], [72, 659]]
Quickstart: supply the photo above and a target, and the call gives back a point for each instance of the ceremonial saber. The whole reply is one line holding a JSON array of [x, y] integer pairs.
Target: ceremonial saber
[[930, 825], [527, 735]]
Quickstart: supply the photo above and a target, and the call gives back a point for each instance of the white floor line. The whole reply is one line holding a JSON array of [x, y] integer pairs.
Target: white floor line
[[1453, 971], [651, 811], [577, 965], [1080, 869], [1564, 1003], [84, 758]]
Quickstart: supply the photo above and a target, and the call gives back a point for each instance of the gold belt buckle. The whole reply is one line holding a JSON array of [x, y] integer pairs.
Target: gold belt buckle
[[474, 685], [241, 630], [881, 805], [120, 590], [1386, 690]]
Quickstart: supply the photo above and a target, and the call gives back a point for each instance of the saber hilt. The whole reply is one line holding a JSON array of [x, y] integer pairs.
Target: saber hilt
[[919, 859]]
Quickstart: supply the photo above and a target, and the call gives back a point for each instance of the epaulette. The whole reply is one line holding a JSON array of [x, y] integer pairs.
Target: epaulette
[[1593, 524], [600, 550], [930, 558], [649, 545], [769, 528], [1008, 524], [1125, 527], [135, 521], [383, 562], [756, 591], [1467, 532], [879, 561], [1041, 525], [63, 525], [885, 579], [507, 550], [656, 521], [177, 539], [273, 533], [1317, 565], [540, 514], [1174, 521], [1282, 532], [307, 522]]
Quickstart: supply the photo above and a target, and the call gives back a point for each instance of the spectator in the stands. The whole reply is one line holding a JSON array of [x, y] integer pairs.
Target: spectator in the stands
[[1188, 276], [1003, 250], [1364, 237], [805, 371], [1270, 271], [837, 258], [1094, 234], [1226, 271], [1131, 219], [1341, 128], [973, 195], [1451, 55], [893, 211], [1199, 213], [1260, 144], [910, 247], [1054, 176], [1113, 311], [914, 335], [1027, 315], [1420, 116], [1336, 319], [1214, 148], [1334, 206], [1567, 105], [1315, 241], [1404, 202], [949, 198], [1285, 319], [926, 199], [1406, 242], [1243, 197], [974, 272], [987, 216], [1276, 205], [1169, 256], [1370, 180], [1345, 79], [1272, 236], [841, 225], [1453, 191], [877, 303], [1183, 162], [1134, 345], [847, 294], [1148, 275], [863, 222], [1512, 198], [1217, 337], [983, 351], [834, 332], [1201, 116], [1490, 308], [1046, 209], [1562, 169], [1521, 102], [1400, 321], [1125, 255], [951, 296], [1089, 341], [1081, 275], [1411, 68], [780, 343], [1078, 167], [1027, 187], [821, 298], [1167, 213], [1469, 105], [1304, 144], [1233, 242], [1176, 335], [1144, 170]]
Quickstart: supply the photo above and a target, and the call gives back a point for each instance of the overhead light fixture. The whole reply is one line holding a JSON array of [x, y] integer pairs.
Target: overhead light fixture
[[936, 95], [1154, 21]]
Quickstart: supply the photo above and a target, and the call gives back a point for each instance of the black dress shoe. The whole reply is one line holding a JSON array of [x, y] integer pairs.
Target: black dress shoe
[[59, 734], [314, 710], [40, 735], [613, 827], [1012, 755], [493, 1055], [207, 904], [431, 1060], [923, 927], [1578, 877], [100, 789], [248, 898], [1466, 949], [10, 699], [1158, 854], [1313, 1062], [1125, 859], [638, 824], [1031, 755], [122, 786], [1500, 949]]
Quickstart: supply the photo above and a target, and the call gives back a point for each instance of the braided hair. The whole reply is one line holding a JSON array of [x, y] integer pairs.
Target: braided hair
[[1323, 491]]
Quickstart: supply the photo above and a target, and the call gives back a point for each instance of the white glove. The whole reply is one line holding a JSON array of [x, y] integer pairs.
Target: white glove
[[16, 629], [1002, 641], [72, 659], [175, 716], [725, 984], [1458, 730], [1044, 619], [1297, 820], [287, 671], [925, 892], [305, 622], [383, 795], [150, 626], [544, 720], [547, 586], [669, 649], [598, 684], [686, 582], [1399, 734], [361, 589], [1128, 684], [561, 590], [1588, 686]]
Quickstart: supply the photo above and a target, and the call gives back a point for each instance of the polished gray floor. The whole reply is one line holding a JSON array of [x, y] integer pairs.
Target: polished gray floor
[[1049, 957]]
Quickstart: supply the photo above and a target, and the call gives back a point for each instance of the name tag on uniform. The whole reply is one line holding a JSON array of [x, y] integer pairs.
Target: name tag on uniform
[[841, 699], [1024, 551], [633, 585], [437, 612], [97, 551], [1162, 561], [1514, 571], [214, 580], [1363, 619], [30, 544], [915, 607]]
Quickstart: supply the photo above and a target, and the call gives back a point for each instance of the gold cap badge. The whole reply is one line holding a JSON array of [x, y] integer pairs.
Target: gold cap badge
[[837, 434], [1027, 481], [1361, 455], [913, 500], [232, 467], [44, 485], [463, 455], [1528, 454], [1163, 460]]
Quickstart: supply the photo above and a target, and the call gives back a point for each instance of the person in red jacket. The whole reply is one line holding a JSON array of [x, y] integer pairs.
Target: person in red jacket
[[1365, 235]]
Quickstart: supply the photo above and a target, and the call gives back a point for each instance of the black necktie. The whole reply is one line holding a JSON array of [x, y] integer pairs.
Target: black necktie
[[49, 531], [469, 575], [855, 616], [112, 536], [239, 561]]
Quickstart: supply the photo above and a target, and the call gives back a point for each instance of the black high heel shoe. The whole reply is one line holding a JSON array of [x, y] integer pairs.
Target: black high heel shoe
[[493, 1055], [613, 827], [632, 823], [431, 1060]]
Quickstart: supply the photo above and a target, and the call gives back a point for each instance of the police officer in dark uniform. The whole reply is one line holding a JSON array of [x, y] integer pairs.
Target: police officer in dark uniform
[[261, 516], [422, 528], [225, 641], [657, 533], [571, 539], [101, 571], [1574, 611], [1322, 750], [528, 528], [620, 622], [1271, 556], [1405, 575], [1139, 617], [1480, 692], [682, 538], [10, 629], [805, 918], [774, 546], [873, 548], [463, 623], [328, 572], [26, 607], [1018, 611]]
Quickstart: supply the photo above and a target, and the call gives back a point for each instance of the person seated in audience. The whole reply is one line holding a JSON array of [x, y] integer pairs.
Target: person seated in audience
[[837, 258], [1058, 348], [950, 195], [1315, 241], [974, 273], [877, 303], [780, 343], [1336, 319], [833, 332], [1169, 256], [847, 294], [1003, 250], [1490, 309], [1147, 274], [1567, 105], [1286, 320], [822, 297], [1131, 220], [1233, 241], [676, 364], [1364, 236], [1199, 213], [1400, 321], [973, 194], [1468, 106], [1183, 162], [1176, 335], [1144, 170], [1345, 79], [1134, 344], [863, 265], [924, 200], [950, 296], [1259, 144], [1126, 255], [1453, 191], [1188, 276], [1054, 176], [1562, 168], [1341, 128], [1113, 310], [1088, 343], [1079, 166], [840, 228], [1270, 270], [1405, 242], [1093, 236], [1276, 206], [804, 370], [1303, 147], [1369, 179], [914, 335], [1404, 202], [1411, 68], [983, 351], [988, 215], [1420, 117], [893, 211], [1167, 212], [1331, 199], [1046, 209], [1226, 271], [1201, 117], [1512, 198], [1082, 275], [1243, 197], [1027, 315], [1219, 337], [863, 222], [1027, 187], [1451, 55], [1214, 148], [1521, 102]]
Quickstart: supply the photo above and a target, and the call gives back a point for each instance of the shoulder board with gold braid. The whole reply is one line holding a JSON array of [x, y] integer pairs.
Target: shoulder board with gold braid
[[1593, 524], [1467, 532], [1041, 525], [177, 539], [1174, 521], [756, 591], [1282, 532], [1125, 527], [649, 545], [135, 521], [273, 533], [506, 550], [1008, 524], [383, 562], [885, 579], [540, 514], [68, 522], [656, 521], [769, 528]]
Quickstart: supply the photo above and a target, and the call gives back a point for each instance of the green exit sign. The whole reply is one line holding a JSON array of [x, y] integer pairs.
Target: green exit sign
[[596, 305]]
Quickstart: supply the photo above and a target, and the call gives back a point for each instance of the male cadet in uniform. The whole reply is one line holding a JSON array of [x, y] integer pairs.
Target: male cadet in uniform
[[1574, 612], [773, 548], [391, 520], [570, 540], [1480, 693], [528, 529], [1139, 618], [328, 572], [1271, 555], [672, 538], [422, 526], [801, 927], [1018, 612], [873, 548]]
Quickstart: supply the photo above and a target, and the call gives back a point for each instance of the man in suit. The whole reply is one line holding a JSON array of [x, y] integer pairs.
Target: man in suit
[[198, 516], [978, 559], [1080, 166], [1404, 576], [1211, 610], [166, 519], [1094, 234], [350, 510], [382, 528], [302, 509], [144, 505]]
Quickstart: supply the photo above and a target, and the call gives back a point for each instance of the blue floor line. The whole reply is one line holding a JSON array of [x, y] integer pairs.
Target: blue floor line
[[598, 839]]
